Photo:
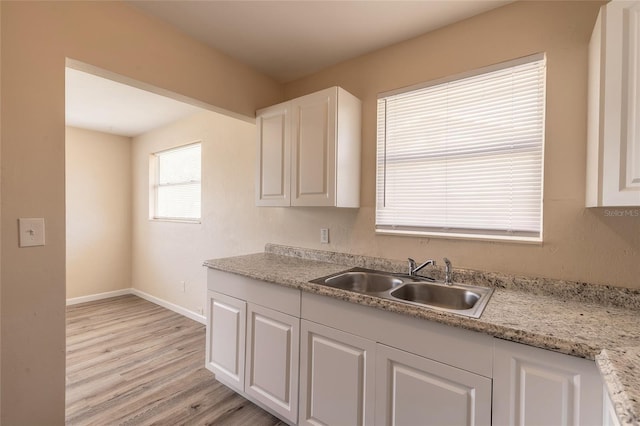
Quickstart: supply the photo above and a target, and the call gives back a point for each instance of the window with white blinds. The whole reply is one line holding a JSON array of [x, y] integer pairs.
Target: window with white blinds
[[463, 157], [177, 183]]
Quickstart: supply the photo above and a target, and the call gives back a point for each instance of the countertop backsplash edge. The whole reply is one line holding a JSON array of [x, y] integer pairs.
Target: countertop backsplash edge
[[605, 295]]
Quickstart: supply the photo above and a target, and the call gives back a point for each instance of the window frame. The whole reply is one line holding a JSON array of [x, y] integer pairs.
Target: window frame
[[154, 184], [463, 233]]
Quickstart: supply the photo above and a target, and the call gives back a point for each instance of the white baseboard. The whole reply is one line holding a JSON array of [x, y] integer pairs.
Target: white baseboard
[[171, 306], [98, 296]]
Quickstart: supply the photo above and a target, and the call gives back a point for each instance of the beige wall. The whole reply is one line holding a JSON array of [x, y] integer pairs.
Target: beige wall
[[36, 39], [0, 219], [579, 244], [98, 212], [165, 253]]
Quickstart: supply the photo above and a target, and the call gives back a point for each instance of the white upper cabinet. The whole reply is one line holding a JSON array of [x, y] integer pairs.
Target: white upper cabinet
[[273, 183], [613, 154], [309, 151]]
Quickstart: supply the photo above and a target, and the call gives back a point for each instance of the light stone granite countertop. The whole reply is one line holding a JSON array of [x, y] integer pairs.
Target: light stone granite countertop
[[571, 318]]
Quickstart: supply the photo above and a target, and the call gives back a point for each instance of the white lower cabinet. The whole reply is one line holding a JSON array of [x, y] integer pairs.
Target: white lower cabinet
[[534, 386], [315, 360], [272, 360], [413, 390], [609, 412], [225, 349], [253, 331], [336, 377]]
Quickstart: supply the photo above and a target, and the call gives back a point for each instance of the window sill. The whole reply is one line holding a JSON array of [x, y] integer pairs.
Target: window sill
[[162, 219], [462, 236]]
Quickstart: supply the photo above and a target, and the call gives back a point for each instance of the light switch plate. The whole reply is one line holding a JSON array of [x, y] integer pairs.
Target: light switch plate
[[31, 231]]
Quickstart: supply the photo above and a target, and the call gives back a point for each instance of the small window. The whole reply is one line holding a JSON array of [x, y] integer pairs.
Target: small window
[[463, 157], [175, 176]]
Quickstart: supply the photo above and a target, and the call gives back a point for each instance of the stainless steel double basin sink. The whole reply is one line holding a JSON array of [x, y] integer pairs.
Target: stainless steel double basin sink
[[461, 299]]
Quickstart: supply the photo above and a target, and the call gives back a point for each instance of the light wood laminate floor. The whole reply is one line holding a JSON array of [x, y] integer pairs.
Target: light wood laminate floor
[[131, 362]]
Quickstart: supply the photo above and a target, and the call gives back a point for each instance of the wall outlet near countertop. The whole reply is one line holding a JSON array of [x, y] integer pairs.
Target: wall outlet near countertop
[[324, 235]]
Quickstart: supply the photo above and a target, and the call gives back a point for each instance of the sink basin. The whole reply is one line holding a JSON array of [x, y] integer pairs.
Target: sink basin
[[461, 299], [437, 295], [364, 282]]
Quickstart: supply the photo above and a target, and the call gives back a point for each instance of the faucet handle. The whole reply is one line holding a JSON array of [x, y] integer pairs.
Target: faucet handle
[[447, 271], [412, 265]]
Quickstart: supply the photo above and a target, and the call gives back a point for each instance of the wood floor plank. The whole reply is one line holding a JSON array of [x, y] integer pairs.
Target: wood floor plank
[[131, 362]]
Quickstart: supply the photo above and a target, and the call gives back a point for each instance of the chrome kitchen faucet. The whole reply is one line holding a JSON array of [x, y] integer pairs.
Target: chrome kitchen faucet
[[413, 269]]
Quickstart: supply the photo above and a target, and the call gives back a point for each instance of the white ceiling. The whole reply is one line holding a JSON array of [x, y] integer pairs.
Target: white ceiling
[[104, 105], [291, 39], [284, 39]]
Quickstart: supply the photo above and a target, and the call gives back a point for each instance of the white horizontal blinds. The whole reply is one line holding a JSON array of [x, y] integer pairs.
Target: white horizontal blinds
[[464, 156], [178, 187]]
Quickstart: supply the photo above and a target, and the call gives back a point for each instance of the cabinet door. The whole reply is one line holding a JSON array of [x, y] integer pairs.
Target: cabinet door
[[534, 386], [272, 360], [628, 13], [337, 371], [609, 412], [613, 154], [412, 390], [226, 325], [274, 156], [314, 149]]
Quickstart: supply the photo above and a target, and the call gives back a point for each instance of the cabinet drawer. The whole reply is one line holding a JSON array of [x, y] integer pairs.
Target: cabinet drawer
[[277, 297], [439, 342]]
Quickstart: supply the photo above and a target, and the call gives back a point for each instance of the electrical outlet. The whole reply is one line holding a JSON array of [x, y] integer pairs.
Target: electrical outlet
[[324, 235], [183, 286]]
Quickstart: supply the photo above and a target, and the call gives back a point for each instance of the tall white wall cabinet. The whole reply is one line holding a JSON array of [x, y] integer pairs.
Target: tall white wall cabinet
[[309, 151], [613, 153]]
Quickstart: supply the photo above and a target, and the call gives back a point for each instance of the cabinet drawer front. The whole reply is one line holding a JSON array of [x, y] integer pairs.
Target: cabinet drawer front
[[413, 390], [277, 297], [446, 344], [272, 360], [336, 377], [226, 317]]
